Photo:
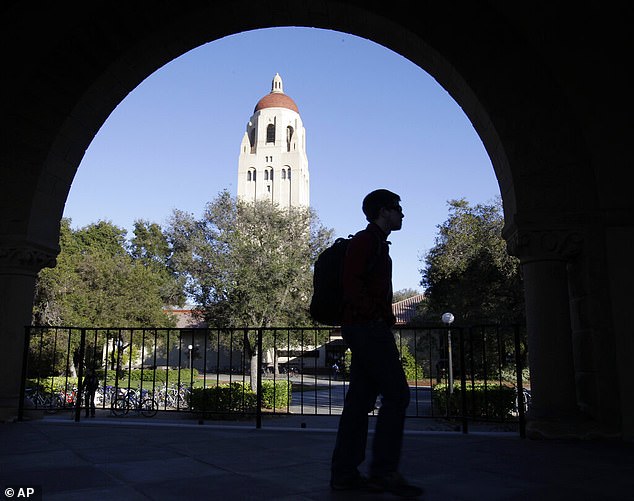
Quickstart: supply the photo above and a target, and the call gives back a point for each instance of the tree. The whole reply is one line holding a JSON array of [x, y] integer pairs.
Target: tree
[[248, 264], [150, 247], [403, 294], [98, 283], [469, 272]]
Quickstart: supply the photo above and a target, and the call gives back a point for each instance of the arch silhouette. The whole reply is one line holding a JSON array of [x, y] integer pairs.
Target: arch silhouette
[[555, 132]]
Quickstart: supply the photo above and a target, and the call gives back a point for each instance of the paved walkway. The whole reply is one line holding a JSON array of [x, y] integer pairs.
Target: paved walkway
[[175, 459]]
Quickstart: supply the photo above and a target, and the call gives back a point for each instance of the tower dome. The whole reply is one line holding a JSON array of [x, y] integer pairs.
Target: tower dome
[[276, 98]]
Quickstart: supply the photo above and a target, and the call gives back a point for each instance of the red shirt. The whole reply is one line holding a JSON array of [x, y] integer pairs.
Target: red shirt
[[367, 278]]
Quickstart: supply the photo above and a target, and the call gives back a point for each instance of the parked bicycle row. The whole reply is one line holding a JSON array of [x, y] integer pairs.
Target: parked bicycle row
[[163, 397]]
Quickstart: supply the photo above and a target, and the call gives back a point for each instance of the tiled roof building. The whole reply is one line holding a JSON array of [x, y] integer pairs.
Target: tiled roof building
[[405, 310]]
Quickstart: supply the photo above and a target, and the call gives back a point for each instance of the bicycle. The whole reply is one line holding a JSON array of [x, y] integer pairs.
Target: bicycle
[[130, 401], [51, 404], [63, 398], [173, 396]]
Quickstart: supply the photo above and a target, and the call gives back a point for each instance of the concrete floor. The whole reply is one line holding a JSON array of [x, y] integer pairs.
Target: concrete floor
[[170, 459]]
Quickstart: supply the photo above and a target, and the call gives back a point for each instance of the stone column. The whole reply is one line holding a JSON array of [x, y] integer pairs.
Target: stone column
[[543, 255], [19, 265], [549, 339]]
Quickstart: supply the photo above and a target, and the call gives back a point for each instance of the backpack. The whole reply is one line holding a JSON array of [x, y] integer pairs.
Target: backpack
[[326, 305]]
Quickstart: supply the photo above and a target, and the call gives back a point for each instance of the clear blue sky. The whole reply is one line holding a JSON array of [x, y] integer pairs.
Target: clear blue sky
[[373, 120]]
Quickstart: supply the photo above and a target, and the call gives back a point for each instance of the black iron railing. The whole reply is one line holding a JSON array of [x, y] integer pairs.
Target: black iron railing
[[461, 374]]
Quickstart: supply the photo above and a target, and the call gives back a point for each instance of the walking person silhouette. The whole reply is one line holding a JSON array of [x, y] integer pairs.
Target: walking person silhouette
[[91, 383], [376, 367]]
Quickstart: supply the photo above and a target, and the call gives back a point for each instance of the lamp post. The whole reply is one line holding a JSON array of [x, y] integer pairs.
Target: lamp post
[[190, 347], [447, 319]]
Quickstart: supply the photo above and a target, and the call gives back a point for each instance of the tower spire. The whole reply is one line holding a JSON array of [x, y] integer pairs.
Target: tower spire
[[277, 87]]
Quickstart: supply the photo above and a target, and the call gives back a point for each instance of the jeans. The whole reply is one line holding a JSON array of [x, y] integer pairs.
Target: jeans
[[376, 369]]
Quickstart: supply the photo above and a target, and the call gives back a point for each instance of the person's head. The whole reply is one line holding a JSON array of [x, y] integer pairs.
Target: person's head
[[382, 207]]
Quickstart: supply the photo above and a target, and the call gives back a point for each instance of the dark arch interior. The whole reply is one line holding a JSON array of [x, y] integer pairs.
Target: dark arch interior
[[548, 99]]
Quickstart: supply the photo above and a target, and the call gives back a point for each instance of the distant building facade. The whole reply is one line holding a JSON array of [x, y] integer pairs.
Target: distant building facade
[[210, 355], [273, 164]]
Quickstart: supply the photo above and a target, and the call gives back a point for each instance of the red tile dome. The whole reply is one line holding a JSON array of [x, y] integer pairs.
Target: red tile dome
[[276, 100]]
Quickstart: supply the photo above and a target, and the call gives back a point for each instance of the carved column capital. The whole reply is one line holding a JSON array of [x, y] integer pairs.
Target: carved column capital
[[25, 258], [533, 244]]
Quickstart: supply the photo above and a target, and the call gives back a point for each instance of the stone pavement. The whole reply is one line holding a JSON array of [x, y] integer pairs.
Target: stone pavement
[[175, 459]]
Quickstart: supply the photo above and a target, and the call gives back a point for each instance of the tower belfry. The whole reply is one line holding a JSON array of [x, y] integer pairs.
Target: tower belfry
[[272, 164]]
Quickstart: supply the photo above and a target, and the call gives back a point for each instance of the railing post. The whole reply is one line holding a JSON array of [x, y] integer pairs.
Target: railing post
[[25, 357], [80, 373], [258, 409], [463, 385], [520, 383]]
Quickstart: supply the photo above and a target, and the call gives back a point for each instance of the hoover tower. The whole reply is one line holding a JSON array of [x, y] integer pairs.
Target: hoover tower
[[273, 164]]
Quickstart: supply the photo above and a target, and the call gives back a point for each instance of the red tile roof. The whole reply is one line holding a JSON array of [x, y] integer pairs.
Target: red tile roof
[[405, 310]]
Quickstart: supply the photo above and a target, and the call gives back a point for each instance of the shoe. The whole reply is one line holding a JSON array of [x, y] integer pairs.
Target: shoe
[[348, 483], [394, 483]]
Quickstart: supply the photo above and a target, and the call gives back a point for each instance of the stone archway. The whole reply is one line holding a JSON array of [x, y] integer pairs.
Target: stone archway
[[537, 122]]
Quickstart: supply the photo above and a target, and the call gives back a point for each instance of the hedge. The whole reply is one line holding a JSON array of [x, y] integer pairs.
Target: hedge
[[494, 401], [53, 384], [276, 394], [233, 397], [238, 397], [158, 375]]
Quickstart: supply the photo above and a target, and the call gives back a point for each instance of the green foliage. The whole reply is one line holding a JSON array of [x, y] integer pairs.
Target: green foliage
[[413, 371], [469, 271], [276, 394], [492, 402], [402, 294], [52, 385], [150, 247], [248, 264], [234, 397], [238, 397], [98, 283], [346, 362], [49, 352], [159, 376]]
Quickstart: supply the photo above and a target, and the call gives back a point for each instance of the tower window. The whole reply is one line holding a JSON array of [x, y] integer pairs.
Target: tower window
[[249, 176], [283, 173], [270, 133], [289, 137], [266, 175], [252, 140]]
